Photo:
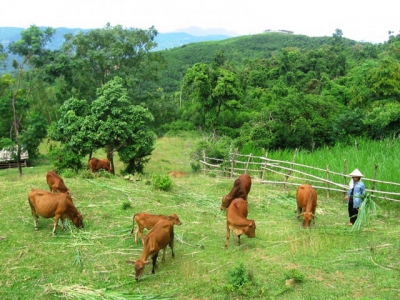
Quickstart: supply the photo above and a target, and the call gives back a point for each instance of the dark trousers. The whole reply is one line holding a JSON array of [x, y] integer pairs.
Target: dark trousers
[[352, 211]]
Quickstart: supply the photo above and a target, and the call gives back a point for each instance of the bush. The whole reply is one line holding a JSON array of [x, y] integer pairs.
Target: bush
[[196, 167], [64, 158], [162, 182], [238, 276]]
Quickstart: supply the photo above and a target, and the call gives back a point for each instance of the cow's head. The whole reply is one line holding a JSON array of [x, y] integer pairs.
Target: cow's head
[[175, 219], [226, 200], [307, 217], [250, 230], [139, 267], [78, 220]]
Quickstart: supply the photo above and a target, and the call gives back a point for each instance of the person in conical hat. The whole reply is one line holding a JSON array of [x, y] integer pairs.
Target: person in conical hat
[[355, 195]]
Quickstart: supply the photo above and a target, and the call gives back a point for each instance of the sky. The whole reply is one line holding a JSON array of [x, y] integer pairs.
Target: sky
[[360, 20]]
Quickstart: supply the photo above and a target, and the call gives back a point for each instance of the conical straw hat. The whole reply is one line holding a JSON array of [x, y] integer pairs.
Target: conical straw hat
[[356, 173]]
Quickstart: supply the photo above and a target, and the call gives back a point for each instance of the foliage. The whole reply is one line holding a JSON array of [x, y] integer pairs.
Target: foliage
[[162, 182], [238, 276], [366, 209], [213, 147], [112, 122], [27, 125], [64, 158]]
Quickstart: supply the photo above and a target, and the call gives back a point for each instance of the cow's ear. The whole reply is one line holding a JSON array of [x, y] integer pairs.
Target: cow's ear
[[147, 262], [302, 214], [131, 262]]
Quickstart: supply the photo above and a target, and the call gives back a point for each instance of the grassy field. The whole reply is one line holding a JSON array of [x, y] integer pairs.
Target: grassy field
[[284, 261]]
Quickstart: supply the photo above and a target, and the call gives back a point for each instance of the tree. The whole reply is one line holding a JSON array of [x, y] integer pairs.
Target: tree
[[31, 47], [90, 59], [112, 122], [213, 90]]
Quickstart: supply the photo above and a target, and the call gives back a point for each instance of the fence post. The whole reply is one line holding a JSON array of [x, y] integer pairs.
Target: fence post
[[204, 162], [374, 182], [248, 161], [264, 166], [328, 193], [291, 167], [233, 161]]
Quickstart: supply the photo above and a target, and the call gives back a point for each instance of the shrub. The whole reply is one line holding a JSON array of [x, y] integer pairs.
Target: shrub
[[196, 167], [64, 158], [162, 182], [126, 205]]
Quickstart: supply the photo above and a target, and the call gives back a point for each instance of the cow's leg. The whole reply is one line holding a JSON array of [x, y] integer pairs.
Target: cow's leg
[[163, 256], [228, 235], [34, 215], [55, 224], [171, 241], [299, 211], [238, 239], [154, 258], [139, 232], [62, 224], [35, 219]]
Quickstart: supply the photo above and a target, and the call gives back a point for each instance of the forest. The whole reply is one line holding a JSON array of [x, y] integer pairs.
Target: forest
[[109, 89]]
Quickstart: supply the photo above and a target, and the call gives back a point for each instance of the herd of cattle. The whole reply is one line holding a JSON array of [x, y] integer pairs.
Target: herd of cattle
[[58, 204]]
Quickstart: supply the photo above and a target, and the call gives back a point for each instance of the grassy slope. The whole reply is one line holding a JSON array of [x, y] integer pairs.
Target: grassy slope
[[330, 261]]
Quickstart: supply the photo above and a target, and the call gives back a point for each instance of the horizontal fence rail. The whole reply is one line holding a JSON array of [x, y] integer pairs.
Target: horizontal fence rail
[[285, 173]]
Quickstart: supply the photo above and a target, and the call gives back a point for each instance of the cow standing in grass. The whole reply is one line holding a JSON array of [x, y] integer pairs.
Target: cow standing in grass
[[95, 164], [57, 206], [159, 237], [241, 189], [306, 198], [56, 183], [147, 221], [236, 220]]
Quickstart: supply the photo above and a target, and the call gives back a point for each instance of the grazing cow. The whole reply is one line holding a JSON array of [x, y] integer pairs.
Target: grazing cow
[[57, 206], [236, 220], [161, 235], [97, 164], [241, 189], [56, 183], [145, 220], [306, 198]]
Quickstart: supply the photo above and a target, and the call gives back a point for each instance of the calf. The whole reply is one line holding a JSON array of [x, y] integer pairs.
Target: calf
[[306, 198], [161, 235], [97, 164], [236, 220], [57, 206], [241, 189], [56, 183], [145, 220]]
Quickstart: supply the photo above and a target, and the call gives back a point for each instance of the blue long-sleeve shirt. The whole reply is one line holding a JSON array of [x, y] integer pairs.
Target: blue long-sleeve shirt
[[358, 193]]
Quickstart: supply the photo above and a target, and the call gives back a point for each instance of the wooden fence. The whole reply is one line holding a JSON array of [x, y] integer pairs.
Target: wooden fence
[[271, 171]]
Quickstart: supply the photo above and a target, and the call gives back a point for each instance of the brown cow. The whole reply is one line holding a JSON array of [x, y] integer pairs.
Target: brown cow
[[236, 220], [97, 164], [241, 189], [161, 235], [57, 206], [145, 220], [56, 183], [306, 198]]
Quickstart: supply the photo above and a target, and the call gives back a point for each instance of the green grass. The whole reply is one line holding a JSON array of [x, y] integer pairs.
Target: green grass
[[284, 261]]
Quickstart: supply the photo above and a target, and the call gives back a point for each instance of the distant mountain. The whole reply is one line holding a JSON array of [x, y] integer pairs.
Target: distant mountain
[[196, 31], [164, 40]]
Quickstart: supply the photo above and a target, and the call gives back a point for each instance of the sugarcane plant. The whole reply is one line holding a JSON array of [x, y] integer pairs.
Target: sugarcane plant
[[367, 208]]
